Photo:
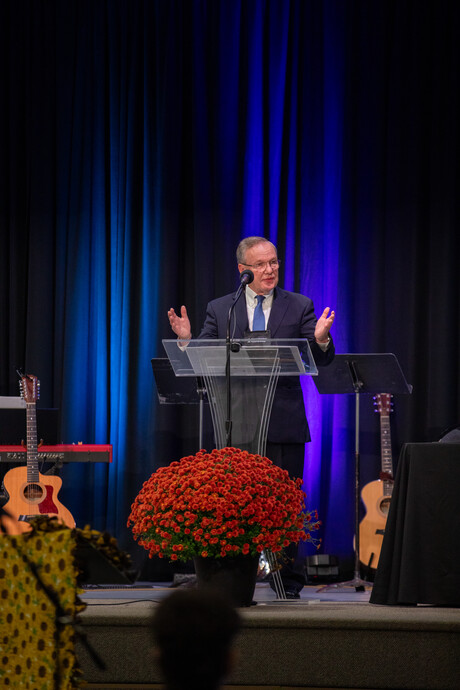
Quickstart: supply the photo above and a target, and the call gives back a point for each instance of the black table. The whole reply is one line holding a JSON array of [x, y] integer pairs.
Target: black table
[[420, 557]]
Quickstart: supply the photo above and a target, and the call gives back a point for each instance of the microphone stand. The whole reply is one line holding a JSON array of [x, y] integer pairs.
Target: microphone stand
[[246, 277]]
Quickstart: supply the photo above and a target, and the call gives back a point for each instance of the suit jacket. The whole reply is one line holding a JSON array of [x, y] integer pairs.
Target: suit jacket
[[291, 316]]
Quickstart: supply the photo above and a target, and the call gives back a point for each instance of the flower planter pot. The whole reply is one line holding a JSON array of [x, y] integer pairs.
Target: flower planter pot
[[234, 577]]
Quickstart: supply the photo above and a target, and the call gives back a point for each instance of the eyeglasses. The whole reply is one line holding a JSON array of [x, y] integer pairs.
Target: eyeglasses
[[262, 265]]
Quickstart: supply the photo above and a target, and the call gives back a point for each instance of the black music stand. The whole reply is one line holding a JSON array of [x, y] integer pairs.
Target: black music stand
[[355, 374], [177, 390]]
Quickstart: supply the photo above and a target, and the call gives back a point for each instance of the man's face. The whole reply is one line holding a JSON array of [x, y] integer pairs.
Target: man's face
[[257, 259]]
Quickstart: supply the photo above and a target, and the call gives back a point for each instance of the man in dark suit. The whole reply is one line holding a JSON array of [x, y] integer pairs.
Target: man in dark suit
[[285, 315]]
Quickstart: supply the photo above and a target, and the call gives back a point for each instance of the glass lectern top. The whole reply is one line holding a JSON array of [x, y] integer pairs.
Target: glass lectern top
[[290, 357]]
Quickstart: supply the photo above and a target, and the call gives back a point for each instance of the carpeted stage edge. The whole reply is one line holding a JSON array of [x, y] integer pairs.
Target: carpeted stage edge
[[319, 642]]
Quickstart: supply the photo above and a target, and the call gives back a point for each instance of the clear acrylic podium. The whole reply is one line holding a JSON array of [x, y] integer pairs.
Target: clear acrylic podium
[[240, 378], [252, 368]]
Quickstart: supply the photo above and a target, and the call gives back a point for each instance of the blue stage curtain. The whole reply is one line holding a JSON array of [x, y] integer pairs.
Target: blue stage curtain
[[142, 140]]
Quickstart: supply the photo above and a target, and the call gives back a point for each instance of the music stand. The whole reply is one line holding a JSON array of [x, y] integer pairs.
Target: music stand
[[176, 390], [355, 374]]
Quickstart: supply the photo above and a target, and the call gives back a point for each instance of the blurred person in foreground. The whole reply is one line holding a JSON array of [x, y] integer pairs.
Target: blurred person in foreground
[[194, 631]]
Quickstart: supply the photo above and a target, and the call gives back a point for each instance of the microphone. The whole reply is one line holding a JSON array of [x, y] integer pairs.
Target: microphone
[[246, 277]]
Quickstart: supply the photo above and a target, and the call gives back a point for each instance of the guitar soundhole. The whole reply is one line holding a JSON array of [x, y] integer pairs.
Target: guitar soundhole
[[385, 506], [33, 493]]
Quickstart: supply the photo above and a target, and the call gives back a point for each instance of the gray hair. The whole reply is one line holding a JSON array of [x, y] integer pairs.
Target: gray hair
[[248, 243]]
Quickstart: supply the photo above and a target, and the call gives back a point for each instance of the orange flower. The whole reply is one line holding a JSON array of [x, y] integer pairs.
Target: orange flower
[[229, 500]]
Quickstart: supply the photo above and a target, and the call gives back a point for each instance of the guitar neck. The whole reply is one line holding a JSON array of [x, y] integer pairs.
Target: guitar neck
[[386, 456], [32, 448]]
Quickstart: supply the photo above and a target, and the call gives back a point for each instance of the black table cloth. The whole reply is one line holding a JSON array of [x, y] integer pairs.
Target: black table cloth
[[420, 557]]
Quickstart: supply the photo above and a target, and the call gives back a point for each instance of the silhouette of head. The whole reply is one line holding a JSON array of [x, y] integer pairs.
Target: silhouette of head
[[193, 632]]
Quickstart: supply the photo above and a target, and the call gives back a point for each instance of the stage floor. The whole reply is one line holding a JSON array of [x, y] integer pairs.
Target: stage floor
[[263, 594]]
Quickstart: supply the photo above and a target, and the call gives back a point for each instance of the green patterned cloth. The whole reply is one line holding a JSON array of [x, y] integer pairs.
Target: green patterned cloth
[[36, 651]]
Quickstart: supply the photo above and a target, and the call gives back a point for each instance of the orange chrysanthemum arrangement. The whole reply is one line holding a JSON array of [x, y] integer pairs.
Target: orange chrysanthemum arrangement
[[224, 503]]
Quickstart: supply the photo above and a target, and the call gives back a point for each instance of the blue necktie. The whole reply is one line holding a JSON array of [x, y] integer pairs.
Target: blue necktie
[[259, 318]]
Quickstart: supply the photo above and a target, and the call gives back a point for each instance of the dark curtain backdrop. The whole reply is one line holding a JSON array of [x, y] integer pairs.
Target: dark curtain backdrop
[[140, 141]]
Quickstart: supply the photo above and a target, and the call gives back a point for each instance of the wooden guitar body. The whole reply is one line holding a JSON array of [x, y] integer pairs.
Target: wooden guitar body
[[32, 499], [372, 526], [30, 493], [376, 495]]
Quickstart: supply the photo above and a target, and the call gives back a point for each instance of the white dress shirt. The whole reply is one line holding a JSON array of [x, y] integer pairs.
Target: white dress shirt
[[251, 304]]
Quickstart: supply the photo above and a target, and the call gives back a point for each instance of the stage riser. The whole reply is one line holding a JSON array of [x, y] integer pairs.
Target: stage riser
[[143, 686], [340, 647]]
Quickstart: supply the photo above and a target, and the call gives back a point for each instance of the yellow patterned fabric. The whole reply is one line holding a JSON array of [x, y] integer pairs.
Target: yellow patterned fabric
[[37, 638]]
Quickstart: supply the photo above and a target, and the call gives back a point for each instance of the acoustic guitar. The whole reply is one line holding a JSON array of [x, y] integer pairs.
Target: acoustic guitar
[[376, 495], [30, 493]]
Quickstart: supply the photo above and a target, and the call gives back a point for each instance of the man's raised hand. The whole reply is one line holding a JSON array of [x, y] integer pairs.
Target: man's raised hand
[[323, 325], [180, 324]]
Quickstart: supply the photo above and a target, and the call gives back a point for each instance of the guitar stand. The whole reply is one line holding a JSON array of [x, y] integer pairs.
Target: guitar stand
[[57, 465], [357, 374]]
